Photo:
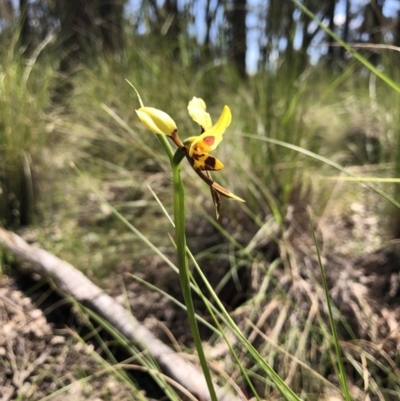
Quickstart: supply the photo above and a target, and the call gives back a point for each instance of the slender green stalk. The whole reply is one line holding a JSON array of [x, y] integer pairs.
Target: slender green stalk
[[184, 275], [285, 390], [342, 374], [323, 160], [231, 349], [167, 147]]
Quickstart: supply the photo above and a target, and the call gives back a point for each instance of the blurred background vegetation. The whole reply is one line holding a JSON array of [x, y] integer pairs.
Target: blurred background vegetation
[[64, 66], [64, 99]]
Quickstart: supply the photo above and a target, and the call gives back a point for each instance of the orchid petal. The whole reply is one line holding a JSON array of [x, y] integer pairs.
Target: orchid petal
[[197, 110], [206, 163], [211, 138], [156, 121]]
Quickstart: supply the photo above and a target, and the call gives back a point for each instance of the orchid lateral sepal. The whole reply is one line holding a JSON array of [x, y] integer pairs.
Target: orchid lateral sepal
[[216, 191], [216, 198], [219, 188], [216, 201], [204, 174]]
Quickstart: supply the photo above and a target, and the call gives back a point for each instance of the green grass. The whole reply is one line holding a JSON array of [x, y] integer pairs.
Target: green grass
[[285, 138], [25, 91]]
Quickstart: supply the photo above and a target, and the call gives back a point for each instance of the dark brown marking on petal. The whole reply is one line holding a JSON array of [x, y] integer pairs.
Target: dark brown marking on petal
[[210, 162], [197, 156]]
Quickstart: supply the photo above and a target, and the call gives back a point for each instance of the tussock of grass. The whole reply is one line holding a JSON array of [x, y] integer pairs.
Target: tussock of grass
[[25, 91], [260, 258]]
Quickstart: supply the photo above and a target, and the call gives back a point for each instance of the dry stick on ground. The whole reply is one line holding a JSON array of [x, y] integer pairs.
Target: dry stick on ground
[[74, 283]]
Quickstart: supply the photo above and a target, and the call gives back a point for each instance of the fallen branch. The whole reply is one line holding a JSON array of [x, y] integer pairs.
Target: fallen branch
[[75, 283]]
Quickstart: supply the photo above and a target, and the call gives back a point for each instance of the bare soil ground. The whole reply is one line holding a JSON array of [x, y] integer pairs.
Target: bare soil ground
[[40, 357]]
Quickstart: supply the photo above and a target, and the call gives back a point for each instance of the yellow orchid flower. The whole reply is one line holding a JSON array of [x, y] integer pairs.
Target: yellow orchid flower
[[195, 148], [200, 146]]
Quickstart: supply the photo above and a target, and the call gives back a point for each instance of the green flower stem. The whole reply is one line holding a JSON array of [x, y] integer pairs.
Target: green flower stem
[[184, 275], [167, 147]]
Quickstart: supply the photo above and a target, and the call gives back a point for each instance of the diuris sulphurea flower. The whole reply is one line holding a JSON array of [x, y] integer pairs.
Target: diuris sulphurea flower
[[196, 148]]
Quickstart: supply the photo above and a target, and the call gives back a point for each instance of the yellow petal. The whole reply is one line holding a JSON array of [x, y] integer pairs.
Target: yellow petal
[[156, 121], [206, 163], [211, 138], [197, 110]]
